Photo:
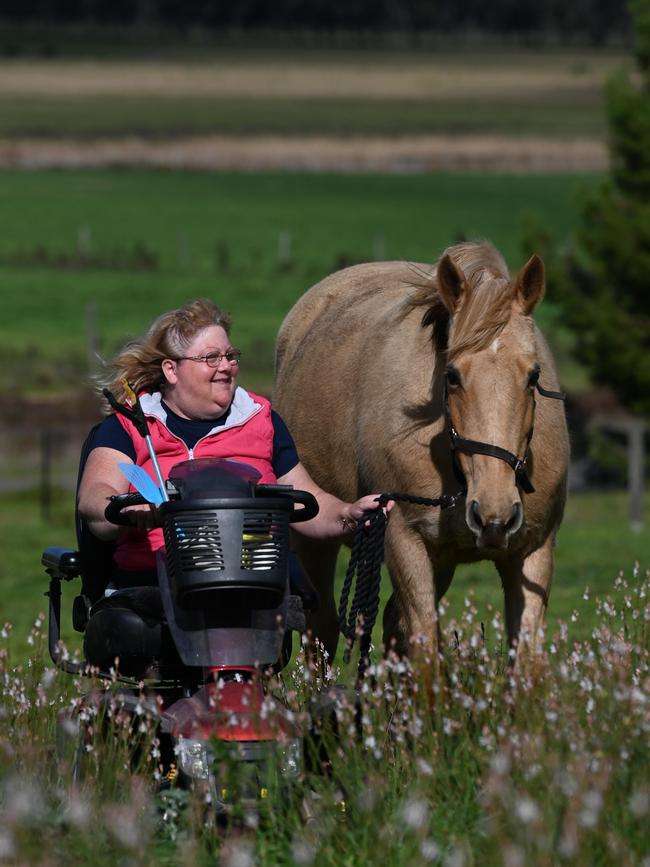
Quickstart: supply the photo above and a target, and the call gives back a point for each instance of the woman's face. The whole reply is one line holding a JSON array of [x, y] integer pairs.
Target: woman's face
[[195, 390]]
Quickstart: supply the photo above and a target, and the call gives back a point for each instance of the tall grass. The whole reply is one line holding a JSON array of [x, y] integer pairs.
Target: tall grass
[[545, 766]]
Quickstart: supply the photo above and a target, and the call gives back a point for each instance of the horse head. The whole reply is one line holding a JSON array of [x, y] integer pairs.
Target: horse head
[[490, 377]]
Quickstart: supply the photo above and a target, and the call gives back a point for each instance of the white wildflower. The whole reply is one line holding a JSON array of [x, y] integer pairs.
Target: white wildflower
[[76, 811], [303, 852], [415, 812], [500, 764], [429, 849], [592, 802], [7, 847], [455, 858], [238, 855], [527, 810], [513, 856], [640, 802]]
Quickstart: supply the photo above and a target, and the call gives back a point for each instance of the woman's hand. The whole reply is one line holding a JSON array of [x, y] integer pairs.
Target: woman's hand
[[353, 512], [144, 516], [336, 518]]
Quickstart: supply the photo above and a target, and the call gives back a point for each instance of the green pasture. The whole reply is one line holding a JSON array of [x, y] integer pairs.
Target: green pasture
[[252, 242], [564, 116], [549, 93]]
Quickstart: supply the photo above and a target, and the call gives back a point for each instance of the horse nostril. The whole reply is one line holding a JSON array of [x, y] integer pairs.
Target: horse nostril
[[475, 516], [515, 520]]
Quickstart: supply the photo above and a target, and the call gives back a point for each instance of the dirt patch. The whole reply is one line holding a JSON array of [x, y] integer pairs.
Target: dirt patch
[[407, 154], [437, 78]]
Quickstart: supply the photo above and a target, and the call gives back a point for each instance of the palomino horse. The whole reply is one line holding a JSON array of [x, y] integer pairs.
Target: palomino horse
[[401, 377]]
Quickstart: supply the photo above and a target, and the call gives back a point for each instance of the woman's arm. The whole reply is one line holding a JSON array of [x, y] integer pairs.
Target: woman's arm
[[336, 519], [102, 479]]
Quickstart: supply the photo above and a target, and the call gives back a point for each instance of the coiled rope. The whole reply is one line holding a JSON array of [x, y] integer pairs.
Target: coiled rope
[[366, 558]]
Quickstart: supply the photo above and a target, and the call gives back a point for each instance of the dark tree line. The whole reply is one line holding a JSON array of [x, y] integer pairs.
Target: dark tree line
[[596, 21], [603, 283]]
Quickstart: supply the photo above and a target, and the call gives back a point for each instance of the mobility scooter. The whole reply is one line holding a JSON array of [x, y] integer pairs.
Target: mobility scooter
[[197, 648]]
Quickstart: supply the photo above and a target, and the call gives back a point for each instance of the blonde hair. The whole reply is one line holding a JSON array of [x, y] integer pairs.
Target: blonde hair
[[140, 360]]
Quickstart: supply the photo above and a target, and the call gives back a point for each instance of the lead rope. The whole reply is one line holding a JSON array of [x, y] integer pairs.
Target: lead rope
[[365, 564]]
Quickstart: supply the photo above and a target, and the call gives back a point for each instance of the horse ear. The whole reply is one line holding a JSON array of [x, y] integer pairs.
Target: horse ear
[[530, 284], [451, 283]]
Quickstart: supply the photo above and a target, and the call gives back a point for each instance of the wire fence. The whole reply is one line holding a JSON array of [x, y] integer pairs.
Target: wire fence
[[44, 460], [40, 461]]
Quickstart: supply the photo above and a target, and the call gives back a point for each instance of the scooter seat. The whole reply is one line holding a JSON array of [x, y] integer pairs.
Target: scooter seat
[[129, 626]]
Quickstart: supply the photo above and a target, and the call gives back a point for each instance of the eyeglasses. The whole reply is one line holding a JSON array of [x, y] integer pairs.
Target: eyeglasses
[[213, 359]]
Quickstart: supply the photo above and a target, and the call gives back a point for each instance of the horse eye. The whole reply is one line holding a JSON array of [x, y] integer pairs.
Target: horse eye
[[453, 377], [533, 377]]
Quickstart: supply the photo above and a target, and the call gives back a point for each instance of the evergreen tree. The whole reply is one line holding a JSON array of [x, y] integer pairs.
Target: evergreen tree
[[605, 288]]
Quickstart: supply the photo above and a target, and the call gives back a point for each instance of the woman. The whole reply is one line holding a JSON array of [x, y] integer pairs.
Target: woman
[[185, 372]]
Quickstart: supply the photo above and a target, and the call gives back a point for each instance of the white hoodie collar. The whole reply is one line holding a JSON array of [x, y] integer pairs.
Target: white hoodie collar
[[242, 408]]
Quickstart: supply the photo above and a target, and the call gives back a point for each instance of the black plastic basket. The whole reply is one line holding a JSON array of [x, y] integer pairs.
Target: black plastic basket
[[230, 551]]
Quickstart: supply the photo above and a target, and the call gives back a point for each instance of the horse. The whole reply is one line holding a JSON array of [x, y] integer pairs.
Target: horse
[[436, 381]]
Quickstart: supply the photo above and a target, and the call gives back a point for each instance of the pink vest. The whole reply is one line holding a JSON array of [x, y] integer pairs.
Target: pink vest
[[247, 437]]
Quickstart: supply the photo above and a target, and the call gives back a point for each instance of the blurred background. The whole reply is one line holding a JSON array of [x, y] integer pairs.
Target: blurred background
[[152, 151]]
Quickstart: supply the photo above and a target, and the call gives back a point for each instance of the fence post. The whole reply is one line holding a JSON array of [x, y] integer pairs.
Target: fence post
[[92, 335], [182, 249], [636, 467], [84, 241], [284, 250], [46, 475]]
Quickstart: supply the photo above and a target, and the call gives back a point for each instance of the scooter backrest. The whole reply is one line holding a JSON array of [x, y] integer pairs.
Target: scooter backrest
[[96, 554]]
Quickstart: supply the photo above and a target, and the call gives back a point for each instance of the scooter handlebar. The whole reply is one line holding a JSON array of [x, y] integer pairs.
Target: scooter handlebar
[[113, 512], [309, 505]]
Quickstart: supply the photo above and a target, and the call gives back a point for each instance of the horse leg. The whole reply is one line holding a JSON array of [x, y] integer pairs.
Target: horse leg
[[393, 632], [442, 576], [526, 587], [410, 622], [319, 562]]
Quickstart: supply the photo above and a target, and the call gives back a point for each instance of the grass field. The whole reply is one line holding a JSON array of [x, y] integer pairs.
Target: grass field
[[557, 94], [546, 767], [569, 115], [254, 243]]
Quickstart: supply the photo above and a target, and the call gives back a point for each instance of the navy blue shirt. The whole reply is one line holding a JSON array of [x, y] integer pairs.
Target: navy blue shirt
[[112, 435]]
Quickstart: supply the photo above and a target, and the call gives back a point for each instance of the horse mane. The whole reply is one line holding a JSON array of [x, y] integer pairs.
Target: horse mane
[[487, 305]]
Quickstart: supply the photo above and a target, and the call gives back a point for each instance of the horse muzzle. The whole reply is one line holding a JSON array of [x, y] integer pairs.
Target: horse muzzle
[[493, 532]]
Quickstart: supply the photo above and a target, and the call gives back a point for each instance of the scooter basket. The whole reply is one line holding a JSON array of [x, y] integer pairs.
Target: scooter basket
[[227, 551]]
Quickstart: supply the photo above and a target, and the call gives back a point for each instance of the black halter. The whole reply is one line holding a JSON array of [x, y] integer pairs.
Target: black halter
[[475, 447]]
